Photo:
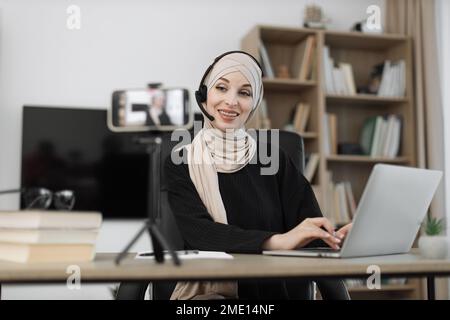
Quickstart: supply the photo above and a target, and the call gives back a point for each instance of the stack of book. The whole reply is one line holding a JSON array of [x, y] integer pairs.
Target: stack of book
[[381, 136], [48, 236], [340, 204], [393, 80], [338, 80]]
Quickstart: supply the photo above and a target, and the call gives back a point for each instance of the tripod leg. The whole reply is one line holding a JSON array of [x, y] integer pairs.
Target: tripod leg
[[129, 245], [159, 242]]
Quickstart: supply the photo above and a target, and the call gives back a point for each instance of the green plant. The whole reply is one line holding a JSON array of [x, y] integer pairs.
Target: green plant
[[434, 226]]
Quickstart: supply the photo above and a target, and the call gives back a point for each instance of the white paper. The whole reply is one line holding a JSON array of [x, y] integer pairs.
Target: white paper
[[188, 256]]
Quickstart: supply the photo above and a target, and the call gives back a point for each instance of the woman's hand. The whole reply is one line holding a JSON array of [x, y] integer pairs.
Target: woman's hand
[[310, 229], [342, 232]]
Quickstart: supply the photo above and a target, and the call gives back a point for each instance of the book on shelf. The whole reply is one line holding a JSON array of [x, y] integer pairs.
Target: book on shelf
[[350, 198], [301, 117], [312, 164], [367, 133], [381, 135], [340, 203], [327, 69], [313, 74], [337, 79], [36, 219], [330, 133], [40, 253], [265, 61], [393, 79], [302, 64], [346, 71]]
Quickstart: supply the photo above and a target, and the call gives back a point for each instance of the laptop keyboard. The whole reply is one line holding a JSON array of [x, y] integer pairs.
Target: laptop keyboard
[[320, 249]]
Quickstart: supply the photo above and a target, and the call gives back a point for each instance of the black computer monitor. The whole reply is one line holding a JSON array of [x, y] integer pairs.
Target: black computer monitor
[[72, 148]]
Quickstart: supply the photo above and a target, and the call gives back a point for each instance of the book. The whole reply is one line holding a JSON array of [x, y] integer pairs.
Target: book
[[48, 236], [267, 66], [51, 253], [301, 117], [327, 62], [343, 205], [326, 135], [35, 219], [332, 127], [389, 135], [305, 70], [367, 135], [303, 58], [394, 146], [376, 136], [350, 198], [347, 71], [311, 166]]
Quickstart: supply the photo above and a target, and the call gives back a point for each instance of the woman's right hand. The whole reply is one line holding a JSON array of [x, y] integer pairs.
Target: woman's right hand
[[310, 229]]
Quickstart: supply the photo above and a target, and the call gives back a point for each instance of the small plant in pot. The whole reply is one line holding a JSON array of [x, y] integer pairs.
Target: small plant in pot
[[433, 243]]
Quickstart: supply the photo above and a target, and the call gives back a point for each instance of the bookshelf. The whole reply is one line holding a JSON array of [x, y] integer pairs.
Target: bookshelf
[[362, 52]]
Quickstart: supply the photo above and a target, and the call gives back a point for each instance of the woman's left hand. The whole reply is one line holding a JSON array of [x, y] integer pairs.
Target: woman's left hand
[[342, 232]]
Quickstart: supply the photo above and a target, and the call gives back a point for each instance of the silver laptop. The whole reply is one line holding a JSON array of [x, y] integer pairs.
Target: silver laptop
[[389, 214]]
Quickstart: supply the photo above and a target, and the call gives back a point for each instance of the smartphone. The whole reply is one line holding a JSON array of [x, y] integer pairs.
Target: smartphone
[[152, 109]]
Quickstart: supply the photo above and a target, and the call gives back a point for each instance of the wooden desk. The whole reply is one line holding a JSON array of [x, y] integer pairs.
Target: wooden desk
[[103, 269]]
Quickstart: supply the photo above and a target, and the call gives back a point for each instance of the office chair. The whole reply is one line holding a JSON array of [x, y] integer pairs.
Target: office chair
[[292, 145]]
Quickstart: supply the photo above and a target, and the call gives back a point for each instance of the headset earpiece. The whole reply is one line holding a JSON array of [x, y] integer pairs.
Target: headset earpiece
[[203, 91], [200, 96]]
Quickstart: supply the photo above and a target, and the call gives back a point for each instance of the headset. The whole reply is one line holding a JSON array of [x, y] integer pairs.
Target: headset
[[202, 92]]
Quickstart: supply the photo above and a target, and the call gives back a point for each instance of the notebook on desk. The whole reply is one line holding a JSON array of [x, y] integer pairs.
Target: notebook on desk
[[389, 214]]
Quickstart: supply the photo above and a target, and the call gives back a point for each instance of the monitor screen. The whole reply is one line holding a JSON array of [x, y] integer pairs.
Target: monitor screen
[[69, 148]]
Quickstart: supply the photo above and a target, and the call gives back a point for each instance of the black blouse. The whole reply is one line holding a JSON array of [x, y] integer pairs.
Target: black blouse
[[258, 206]]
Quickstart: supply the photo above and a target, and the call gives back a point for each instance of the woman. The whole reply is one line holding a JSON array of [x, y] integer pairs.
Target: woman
[[221, 200], [156, 114]]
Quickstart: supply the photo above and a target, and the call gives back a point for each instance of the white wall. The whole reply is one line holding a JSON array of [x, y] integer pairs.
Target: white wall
[[121, 44]]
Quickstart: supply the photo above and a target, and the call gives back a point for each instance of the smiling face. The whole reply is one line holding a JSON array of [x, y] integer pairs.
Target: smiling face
[[230, 101]]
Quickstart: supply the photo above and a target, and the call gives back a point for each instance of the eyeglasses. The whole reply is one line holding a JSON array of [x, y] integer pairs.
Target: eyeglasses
[[42, 198]]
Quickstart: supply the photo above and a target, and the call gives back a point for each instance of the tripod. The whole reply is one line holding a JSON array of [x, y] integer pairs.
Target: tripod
[[158, 241]]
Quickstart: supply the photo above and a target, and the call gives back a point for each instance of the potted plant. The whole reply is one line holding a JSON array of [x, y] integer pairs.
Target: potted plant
[[433, 243]]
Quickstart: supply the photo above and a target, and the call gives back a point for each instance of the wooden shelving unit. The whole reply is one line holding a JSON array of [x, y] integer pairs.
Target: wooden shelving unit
[[366, 159], [365, 99], [362, 51]]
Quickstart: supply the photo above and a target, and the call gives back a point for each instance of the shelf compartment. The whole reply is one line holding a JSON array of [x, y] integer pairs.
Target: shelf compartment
[[358, 40], [286, 84], [366, 159], [363, 99]]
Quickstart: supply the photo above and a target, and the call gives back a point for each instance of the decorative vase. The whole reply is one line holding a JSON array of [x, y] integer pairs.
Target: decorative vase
[[433, 247]]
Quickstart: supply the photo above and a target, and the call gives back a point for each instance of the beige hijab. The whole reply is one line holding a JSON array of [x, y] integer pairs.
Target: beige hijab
[[213, 151]]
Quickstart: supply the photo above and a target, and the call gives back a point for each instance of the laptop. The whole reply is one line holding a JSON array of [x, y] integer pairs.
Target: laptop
[[389, 214]]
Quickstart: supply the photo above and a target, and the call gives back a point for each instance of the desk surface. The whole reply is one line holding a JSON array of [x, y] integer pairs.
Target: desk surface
[[103, 269]]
